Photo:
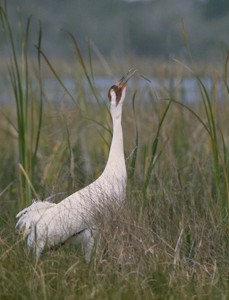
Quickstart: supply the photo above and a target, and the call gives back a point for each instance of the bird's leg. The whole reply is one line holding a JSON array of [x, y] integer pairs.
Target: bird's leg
[[86, 238], [87, 243]]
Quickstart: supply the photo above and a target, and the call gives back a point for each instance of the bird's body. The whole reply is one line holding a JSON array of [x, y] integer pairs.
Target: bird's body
[[48, 224]]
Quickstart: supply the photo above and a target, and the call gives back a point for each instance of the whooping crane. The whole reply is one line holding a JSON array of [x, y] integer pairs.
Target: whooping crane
[[47, 225]]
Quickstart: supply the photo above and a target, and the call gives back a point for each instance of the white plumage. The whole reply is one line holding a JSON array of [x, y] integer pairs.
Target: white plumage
[[47, 225]]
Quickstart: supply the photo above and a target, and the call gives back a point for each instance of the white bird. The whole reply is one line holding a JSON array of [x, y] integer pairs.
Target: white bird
[[47, 225]]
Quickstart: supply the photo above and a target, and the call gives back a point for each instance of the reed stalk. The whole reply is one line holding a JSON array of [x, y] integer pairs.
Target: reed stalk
[[28, 132]]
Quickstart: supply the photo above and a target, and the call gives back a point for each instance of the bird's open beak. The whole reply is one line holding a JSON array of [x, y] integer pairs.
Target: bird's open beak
[[123, 81]]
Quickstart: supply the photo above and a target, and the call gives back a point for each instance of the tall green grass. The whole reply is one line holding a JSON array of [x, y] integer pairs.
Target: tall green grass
[[29, 113], [216, 136], [217, 141]]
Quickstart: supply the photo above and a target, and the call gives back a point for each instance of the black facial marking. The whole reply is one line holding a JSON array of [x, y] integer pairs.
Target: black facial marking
[[118, 92]]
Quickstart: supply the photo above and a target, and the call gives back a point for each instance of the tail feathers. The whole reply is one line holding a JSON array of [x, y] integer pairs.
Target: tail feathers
[[30, 216]]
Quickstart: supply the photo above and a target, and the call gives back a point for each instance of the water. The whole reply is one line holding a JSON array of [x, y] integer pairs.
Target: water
[[186, 89]]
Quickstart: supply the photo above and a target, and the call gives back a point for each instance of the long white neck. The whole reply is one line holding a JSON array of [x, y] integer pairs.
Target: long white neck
[[115, 166]]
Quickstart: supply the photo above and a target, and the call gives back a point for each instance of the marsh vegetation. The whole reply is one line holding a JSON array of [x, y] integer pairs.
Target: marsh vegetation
[[170, 240]]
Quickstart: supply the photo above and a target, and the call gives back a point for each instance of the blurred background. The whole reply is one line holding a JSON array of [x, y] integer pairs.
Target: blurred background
[[120, 28]]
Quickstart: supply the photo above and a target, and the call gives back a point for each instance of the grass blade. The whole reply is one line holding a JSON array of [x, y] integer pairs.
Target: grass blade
[[135, 151], [56, 74], [154, 147]]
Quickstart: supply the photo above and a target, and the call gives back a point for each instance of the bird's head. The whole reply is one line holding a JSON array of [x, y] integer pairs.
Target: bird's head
[[117, 92]]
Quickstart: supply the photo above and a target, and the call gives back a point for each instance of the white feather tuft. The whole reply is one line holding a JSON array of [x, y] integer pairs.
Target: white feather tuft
[[30, 216]]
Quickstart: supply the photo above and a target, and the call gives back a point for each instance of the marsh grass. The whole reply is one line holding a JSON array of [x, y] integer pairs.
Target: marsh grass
[[217, 142], [170, 240], [28, 112]]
